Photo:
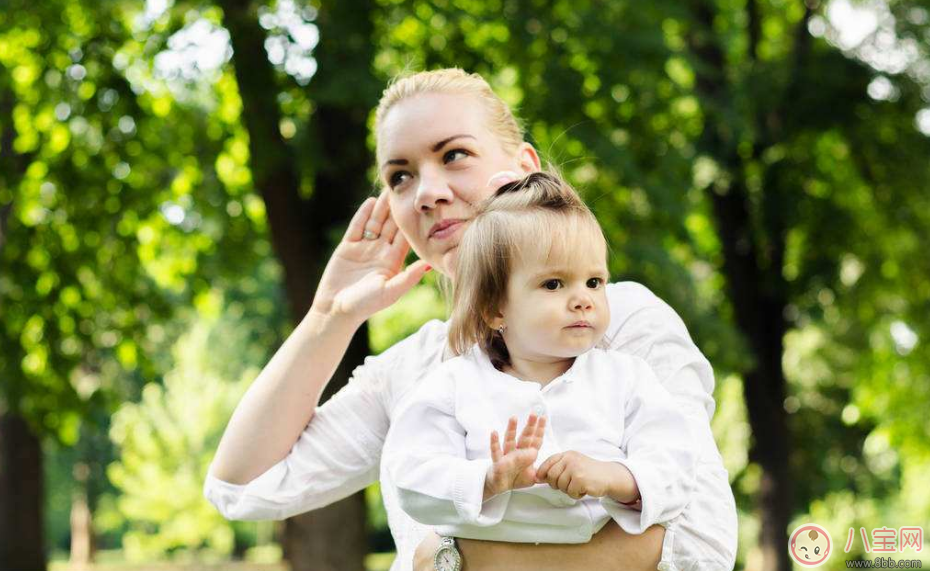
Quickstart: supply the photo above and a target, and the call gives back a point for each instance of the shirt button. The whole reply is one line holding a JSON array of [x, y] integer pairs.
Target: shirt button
[[539, 409]]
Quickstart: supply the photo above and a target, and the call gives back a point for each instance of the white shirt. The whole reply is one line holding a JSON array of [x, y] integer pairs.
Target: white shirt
[[339, 452], [608, 406]]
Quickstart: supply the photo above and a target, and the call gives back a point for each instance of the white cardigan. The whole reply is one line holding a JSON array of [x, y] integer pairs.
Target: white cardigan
[[339, 452]]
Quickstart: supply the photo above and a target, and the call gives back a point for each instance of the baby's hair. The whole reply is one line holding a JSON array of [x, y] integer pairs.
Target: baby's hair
[[540, 214]]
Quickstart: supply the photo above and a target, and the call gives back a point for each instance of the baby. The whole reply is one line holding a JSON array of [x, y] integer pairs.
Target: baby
[[602, 438]]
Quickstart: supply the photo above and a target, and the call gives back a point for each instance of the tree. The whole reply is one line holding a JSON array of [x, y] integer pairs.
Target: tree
[[102, 236], [303, 229], [167, 439]]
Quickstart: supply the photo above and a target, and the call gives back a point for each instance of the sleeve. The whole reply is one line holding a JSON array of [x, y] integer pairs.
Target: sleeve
[[336, 455], [659, 453], [645, 326], [426, 459]]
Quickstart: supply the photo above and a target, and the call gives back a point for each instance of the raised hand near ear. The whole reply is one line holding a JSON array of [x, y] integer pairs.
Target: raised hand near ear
[[366, 272]]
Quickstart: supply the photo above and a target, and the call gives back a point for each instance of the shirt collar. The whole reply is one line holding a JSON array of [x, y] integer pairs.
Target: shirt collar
[[568, 376], [571, 374]]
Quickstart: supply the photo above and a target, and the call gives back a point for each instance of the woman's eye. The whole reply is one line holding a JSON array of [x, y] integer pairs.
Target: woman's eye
[[397, 178], [552, 285], [595, 283], [453, 155]]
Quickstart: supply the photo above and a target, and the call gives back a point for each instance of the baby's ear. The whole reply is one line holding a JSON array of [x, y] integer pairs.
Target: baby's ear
[[494, 319]]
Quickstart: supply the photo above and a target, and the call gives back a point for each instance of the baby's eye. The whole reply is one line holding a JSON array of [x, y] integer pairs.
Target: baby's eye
[[817, 550], [595, 283], [552, 285], [453, 155], [397, 178]]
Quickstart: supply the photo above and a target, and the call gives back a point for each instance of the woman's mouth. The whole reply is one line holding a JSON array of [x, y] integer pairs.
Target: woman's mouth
[[444, 228]]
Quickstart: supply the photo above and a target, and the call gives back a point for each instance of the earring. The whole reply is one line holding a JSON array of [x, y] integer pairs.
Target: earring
[[501, 329]]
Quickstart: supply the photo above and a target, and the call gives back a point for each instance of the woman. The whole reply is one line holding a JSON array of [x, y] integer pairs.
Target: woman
[[444, 143]]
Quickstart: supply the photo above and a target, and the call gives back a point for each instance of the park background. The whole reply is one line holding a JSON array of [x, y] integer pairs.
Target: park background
[[173, 176]]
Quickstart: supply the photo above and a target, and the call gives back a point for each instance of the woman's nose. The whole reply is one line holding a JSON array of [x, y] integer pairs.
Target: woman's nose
[[432, 190]]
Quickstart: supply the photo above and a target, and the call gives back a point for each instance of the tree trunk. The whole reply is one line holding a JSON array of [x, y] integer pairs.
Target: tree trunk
[[332, 538], [21, 476], [5, 211], [760, 317], [273, 168], [21, 494], [755, 285], [12, 164], [83, 538]]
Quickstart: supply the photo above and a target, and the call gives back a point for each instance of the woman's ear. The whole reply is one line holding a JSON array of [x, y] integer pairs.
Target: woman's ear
[[527, 158]]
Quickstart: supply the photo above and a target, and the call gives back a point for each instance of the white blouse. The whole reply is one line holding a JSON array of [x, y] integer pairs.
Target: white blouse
[[339, 452], [608, 406]]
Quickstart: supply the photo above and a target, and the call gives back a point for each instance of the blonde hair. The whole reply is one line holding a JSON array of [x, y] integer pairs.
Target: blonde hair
[[500, 119], [538, 215]]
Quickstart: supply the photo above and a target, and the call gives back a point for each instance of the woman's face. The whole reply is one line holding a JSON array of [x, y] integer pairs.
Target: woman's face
[[437, 156]]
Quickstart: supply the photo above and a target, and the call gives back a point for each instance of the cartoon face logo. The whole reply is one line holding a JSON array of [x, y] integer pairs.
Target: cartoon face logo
[[810, 545]]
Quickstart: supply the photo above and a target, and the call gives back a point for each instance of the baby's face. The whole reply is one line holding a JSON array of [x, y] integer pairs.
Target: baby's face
[[810, 547], [557, 310]]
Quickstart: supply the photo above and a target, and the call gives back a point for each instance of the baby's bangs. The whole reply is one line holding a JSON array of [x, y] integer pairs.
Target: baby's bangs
[[555, 237]]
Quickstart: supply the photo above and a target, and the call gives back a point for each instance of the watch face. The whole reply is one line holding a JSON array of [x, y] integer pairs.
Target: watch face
[[447, 559]]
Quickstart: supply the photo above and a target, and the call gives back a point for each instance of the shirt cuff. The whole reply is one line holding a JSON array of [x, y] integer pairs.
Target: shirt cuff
[[240, 501], [637, 517], [233, 500], [468, 493]]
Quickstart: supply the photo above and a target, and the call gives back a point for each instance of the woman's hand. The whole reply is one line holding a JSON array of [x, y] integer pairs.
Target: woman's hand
[[513, 465], [578, 475], [365, 273]]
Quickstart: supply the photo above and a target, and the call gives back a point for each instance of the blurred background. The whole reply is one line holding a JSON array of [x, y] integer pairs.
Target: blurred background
[[173, 176]]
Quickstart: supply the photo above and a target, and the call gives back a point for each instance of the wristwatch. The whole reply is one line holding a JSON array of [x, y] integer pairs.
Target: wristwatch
[[447, 557]]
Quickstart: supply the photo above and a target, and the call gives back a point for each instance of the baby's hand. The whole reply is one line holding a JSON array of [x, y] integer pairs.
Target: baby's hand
[[578, 475], [512, 466]]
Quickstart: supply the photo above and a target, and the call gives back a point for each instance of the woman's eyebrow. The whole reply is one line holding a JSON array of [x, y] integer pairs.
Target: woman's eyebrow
[[390, 162], [447, 140], [434, 148]]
